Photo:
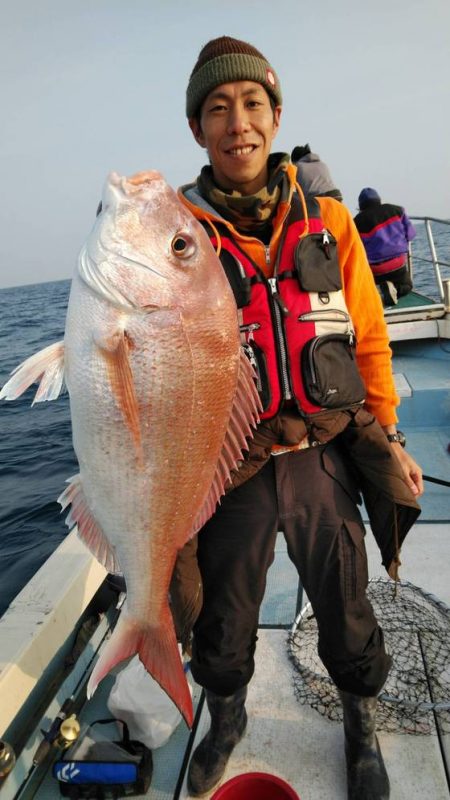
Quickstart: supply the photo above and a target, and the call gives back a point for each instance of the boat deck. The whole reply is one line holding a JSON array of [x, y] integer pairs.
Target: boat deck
[[292, 740], [417, 316]]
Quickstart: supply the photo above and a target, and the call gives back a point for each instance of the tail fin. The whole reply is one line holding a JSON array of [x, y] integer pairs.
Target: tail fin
[[158, 650]]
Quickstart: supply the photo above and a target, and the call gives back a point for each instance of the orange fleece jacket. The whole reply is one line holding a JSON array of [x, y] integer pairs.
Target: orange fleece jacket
[[363, 301]]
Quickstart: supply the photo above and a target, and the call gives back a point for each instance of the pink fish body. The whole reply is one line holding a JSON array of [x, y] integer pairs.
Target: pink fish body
[[162, 400]]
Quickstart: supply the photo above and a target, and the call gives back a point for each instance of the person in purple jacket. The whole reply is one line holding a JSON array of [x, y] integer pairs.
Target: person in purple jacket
[[385, 231]]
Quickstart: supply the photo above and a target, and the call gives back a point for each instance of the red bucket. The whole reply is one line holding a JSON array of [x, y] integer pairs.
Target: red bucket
[[255, 786]]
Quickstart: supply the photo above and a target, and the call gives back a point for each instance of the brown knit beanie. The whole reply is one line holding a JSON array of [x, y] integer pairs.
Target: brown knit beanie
[[224, 60]]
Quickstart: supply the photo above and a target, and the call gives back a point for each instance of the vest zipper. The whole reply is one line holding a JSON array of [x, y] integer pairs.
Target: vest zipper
[[326, 243], [319, 316], [311, 363], [279, 308], [248, 349], [249, 328], [324, 315]]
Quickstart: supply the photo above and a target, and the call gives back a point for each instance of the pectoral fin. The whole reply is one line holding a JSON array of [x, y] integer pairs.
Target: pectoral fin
[[115, 352], [46, 366]]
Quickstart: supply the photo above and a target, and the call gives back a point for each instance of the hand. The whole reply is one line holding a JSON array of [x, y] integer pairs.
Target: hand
[[411, 470]]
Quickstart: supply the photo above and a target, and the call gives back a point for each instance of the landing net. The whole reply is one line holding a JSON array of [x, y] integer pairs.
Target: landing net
[[416, 626]]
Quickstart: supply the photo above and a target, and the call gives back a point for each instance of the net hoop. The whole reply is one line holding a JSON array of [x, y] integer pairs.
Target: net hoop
[[416, 625]]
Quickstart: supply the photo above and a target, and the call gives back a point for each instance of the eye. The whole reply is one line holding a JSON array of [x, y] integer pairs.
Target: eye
[[183, 245]]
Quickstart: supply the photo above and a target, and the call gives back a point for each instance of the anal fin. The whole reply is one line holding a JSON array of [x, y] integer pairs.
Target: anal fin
[[88, 528]]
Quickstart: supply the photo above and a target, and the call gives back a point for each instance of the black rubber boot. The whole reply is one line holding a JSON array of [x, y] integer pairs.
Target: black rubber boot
[[228, 723], [389, 293], [367, 778]]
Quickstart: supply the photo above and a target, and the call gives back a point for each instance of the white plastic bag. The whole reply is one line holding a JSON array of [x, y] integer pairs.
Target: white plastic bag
[[139, 700]]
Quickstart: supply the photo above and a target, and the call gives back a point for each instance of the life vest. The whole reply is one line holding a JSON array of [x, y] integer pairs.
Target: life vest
[[295, 327]]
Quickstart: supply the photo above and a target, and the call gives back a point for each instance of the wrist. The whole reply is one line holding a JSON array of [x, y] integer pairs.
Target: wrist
[[397, 437]]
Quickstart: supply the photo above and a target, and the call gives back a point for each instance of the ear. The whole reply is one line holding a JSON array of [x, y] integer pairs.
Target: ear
[[197, 132], [276, 120]]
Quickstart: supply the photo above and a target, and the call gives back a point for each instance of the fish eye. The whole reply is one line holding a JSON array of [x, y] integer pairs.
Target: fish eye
[[183, 245]]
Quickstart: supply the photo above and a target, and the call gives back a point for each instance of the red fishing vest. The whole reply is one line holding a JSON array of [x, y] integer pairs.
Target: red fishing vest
[[295, 326]]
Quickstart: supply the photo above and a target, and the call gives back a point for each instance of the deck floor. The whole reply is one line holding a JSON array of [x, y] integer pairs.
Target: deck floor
[[292, 740], [295, 742]]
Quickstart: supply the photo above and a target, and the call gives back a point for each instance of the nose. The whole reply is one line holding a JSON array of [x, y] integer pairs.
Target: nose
[[238, 120]]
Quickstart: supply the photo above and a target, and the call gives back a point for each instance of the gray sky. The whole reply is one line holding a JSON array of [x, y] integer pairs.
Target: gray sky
[[90, 87]]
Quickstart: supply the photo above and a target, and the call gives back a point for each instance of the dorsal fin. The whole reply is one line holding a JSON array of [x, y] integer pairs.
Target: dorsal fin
[[244, 416]]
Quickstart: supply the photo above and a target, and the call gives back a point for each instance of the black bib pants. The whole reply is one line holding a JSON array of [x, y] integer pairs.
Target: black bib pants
[[310, 496]]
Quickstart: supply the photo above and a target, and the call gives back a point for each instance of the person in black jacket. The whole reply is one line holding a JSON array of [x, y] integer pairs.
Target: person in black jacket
[[386, 231]]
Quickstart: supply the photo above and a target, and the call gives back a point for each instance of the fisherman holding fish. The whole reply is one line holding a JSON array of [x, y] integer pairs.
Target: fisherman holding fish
[[261, 380], [306, 298]]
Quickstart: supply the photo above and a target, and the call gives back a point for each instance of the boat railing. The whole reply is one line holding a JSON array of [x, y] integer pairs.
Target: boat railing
[[436, 261]]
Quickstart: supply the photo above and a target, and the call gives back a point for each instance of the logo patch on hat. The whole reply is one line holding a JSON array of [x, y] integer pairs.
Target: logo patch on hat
[[271, 77]]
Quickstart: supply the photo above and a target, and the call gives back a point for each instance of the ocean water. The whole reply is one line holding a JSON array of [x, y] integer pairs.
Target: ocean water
[[423, 272], [36, 454]]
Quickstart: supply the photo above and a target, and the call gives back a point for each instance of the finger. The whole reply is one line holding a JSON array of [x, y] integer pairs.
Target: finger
[[418, 481], [414, 479], [413, 486]]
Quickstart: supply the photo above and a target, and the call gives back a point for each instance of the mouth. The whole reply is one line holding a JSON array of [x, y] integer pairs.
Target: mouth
[[241, 150]]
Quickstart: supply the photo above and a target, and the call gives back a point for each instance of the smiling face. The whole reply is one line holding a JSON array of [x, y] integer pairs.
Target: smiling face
[[237, 126]]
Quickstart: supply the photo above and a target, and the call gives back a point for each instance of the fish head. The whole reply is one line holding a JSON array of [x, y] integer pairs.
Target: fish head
[[148, 252]]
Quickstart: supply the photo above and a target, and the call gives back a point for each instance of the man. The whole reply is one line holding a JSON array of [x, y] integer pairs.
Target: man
[[250, 200], [386, 232], [299, 309], [313, 175]]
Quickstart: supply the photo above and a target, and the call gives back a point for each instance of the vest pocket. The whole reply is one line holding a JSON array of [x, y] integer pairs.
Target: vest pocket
[[316, 263], [330, 372], [354, 576], [258, 361]]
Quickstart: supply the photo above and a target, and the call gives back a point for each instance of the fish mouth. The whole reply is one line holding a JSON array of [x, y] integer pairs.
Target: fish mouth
[[121, 185], [117, 189], [98, 250]]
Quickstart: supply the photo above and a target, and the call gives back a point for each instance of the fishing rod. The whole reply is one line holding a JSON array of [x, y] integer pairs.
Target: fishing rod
[[435, 480]]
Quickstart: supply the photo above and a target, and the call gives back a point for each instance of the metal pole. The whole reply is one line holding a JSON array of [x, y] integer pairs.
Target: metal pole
[[437, 270], [410, 261]]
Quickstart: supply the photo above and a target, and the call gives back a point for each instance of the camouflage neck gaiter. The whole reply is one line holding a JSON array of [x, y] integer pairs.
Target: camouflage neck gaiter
[[248, 212]]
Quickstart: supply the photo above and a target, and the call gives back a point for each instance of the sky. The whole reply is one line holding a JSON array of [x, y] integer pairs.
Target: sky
[[90, 87]]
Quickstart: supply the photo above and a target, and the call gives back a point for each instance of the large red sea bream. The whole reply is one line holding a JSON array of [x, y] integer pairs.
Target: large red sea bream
[[162, 400]]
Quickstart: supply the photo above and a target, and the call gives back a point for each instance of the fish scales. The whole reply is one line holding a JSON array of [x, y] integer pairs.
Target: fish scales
[[158, 387]]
